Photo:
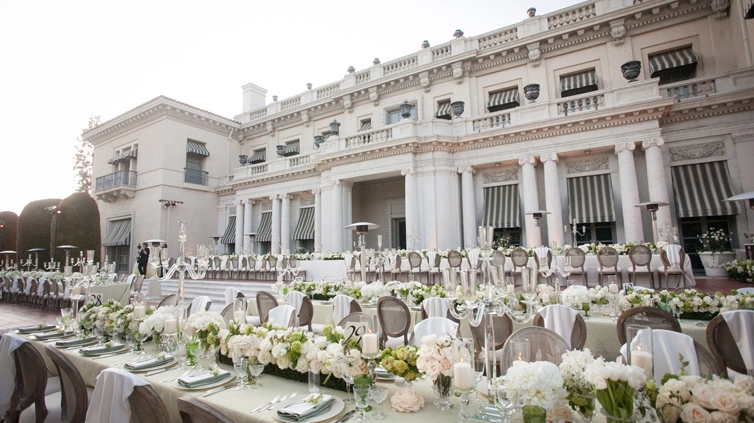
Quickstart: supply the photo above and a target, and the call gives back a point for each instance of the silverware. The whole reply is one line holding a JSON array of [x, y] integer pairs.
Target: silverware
[[345, 417], [265, 405], [216, 390], [170, 379], [275, 405], [271, 406], [156, 372], [110, 355]]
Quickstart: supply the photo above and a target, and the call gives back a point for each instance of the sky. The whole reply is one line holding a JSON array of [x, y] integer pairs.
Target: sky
[[61, 62]]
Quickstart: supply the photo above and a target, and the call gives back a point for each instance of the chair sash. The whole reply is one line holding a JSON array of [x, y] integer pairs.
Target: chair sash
[[473, 258], [8, 343], [436, 307], [281, 315], [673, 253], [559, 319], [199, 303], [740, 323], [295, 299], [110, 398], [341, 307], [431, 258], [230, 295], [434, 325]]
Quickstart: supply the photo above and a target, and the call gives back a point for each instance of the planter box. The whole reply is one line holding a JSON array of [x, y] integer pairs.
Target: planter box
[[291, 374], [713, 263]]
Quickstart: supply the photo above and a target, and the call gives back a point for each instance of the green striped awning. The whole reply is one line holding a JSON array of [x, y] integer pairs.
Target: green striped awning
[[365, 125], [672, 59], [305, 226], [501, 207], [443, 109], [265, 228], [230, 232], [292, 147], [503, 97], [578, 80], [590, 199], [700, 189], [197, 148], [259, 156], [119, 233]]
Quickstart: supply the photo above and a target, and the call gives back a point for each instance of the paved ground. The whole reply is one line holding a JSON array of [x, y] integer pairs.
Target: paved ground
[[13, 316]]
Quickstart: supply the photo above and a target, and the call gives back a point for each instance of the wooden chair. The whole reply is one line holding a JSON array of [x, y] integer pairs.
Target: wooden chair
[[577, 336], [608, 260], [169, 300], [641, 257], [147, 406], [138, 283], [519, 258], [503, 326], [227, 313], [265, 303], [251, 267], [306, 314], [723, 347], [272, 267], [397, 271], [194, 411], [708, 364], [578, 258], [434, 269], [415, 265], [30, 383], [668, 269], [544, 345], [749, 251], [395, 320], [646, 316], [74, 392]]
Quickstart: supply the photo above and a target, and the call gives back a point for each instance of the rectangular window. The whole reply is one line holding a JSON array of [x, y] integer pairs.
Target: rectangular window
[[292, 148], [597, 232], [673, 66], [365, 125], [259, 156], [194, 161], [443, 110], [503, 99], [394, 116], [578, 83]]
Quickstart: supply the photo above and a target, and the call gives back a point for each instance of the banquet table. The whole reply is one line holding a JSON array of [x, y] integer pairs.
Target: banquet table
[[117, 291]]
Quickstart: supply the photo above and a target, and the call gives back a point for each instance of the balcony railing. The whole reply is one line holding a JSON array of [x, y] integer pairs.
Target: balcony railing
[[700, 87], [193, 176], [121, 177]]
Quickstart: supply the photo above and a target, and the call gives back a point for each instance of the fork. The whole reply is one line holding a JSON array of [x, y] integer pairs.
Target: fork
[[273, 401], [170, 379], [275, 405]]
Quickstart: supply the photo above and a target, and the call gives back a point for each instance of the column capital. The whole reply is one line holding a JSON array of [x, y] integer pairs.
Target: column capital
[[624, 146], [275, 197], [287, 196], [549, 157], [240, 202], [464, 169], [409, 171], [527, 160], [251, 201], [336, 182], [316, 191], [654, 142]]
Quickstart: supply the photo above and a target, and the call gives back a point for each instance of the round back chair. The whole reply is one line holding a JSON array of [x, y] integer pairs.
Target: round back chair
[[265, 303], [394, 317], [544, 345], [455, 258], [723, 347], [519, 257], [646, 316]]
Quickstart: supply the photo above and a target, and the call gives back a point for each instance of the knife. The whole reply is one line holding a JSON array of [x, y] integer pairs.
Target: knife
[[274, 400], [216, 390], [271, 406], [345, 417], [110, 355]]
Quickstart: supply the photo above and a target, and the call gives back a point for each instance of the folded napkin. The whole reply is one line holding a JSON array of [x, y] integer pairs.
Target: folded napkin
[[75, 342], [51, 335], [99, 349], [383, 374], [203, 379], [36, 328], [148, 364], [301, 410]]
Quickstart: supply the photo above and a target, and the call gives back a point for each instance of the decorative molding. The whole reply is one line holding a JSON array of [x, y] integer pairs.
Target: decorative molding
[[408, 171], [720, 8], [425, 81], [743, 135], [348, 103], [698, 151], [624, 146], [306, 201], [549, 157], [469, 169], [266, 206], [527, 160], [374, 96], [305, 118], [458, 71], [587, 165], [316, 191], [654, 142], [617, 31], [500, 176], [534, 54]]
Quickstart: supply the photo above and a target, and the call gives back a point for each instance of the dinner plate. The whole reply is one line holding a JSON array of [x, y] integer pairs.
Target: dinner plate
[[98, 353], [415, 308], [385, 377], [220, 382], [85, 344], [161, 366], [335, 408]]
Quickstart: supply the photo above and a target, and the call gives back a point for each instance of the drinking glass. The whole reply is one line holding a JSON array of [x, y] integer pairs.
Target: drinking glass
[[313, 382], [67, 317], [141, 337], [256, 369], [378, 394], [348, 379], [520, 349], [98, 333], [240, 365], [505, 400], [361, 393], [131, 342], [180, 354]]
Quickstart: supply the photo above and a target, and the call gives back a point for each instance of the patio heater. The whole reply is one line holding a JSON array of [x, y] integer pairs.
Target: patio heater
[[362, 228], [7, 254], [252, 236], [537, 214], [652, 207], [67, 249], [36, 256]]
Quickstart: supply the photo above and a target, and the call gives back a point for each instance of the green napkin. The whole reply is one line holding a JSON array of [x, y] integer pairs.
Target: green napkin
[[36, 328], [148, 364], [75, 342], [203, 379], [101, 349], [51, 335], [303, 409]]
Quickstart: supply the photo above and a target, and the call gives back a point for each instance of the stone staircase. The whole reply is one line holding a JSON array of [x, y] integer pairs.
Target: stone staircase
[[212, 288]]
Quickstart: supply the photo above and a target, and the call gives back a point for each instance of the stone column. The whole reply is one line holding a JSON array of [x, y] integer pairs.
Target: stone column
[[337, 217], [552, 199], [285, 224], [656, 180], [275, 224], [412, 227], [247, 225], [317, 219], [629, 192], [468, 207], [239, 226], [531, 200]]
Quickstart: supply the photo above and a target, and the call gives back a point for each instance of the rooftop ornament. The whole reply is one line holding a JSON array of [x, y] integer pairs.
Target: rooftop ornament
[[274, 98], [351, 69], [376, 61], [425, 44], [458, 34], [308, 85], [531, 12]]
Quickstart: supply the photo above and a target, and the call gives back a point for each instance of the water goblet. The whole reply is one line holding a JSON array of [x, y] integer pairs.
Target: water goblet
[[140, 338], [505, 400], [348, 379], [378, 394], [239, 367], [98, 333], [131, 342], [256, 369], [66, 317], [361, 393]]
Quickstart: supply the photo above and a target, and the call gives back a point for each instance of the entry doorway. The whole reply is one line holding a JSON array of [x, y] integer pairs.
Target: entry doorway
[[398, 232]]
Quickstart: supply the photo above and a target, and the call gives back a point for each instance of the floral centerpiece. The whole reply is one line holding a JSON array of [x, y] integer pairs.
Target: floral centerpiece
[[740, 270], [614, 387], [691, 303], [580, 390], [317, 290], [154, 324], [694, 399], [437, 355], [716, 250], [538, 384], [206, 326], [401, 361]]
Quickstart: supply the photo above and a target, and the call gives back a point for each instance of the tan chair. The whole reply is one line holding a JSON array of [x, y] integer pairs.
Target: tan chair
[[74, 392], [217, 263], [272, 267], [194, 411], [520, 259], [137, 284], [608, 260], [543, 259], [668, 269], [306, 314], [169, 300], [351, 272], [434, 269], [30, 384], [233, 268], [395, 321], [646, 316], [415, 265], [641, 257], [251, 267], [578, 258], [396, 271], [265, 303], [227, 313], [544, 345], [146, 406], [723, 347], [708, 364], [503, 326], [577, 336]]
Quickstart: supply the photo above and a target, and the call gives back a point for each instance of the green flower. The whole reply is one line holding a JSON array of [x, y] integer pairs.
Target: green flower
[[297, 347]]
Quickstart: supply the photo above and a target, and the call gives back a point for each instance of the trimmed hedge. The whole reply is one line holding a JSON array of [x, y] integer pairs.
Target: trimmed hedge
[[9, 235], [34, 228], [78, 225]]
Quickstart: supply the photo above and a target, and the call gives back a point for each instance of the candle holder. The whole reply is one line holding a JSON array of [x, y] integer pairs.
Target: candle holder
[[371, 364], [169, 342], [639, 341], [183, 268], [465, 412]]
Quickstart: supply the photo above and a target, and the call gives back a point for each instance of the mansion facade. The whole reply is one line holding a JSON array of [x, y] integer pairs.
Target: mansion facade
[[480, 130]]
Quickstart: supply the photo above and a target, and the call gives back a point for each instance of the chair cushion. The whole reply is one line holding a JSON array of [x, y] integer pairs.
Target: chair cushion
[[609, 271], [670, 270]]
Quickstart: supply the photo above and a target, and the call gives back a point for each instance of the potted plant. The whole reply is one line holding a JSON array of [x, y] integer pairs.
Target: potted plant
[[715, 252]]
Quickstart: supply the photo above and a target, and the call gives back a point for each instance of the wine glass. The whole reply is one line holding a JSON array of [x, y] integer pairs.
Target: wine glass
[[378, 394], [505, 400], [131, 342], [66, 317], [348, 379], [140, 338], [256, 369], [361, 393], [240, 365], [98, 333]]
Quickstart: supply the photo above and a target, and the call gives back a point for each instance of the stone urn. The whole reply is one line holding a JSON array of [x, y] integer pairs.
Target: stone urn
[[280, 150], [531, 92], [243, 159], [318, 139], [713, 263], [631, 70], [457, 107]]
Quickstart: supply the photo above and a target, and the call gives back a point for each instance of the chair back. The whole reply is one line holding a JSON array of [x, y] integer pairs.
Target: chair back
[[576, 338], [227, 313], [646, 316], [608, 257], [673, 257], [394, 317], [542, 257], [434, 325], [194, 411], [341, 307], [544, 345], [138, 283], [218, 262], [749, 251], [230, 295], [519, 257], [169, 300], [130, 280], [31, 381], [75, 399], [723, 346], [292, 261], [306, 314], [282, 315], [251, 263], [147, 406], [502, 325], [234, 263], [497, 258], [455, 258], [200, 303], [414, 260], [350, 261], [640, 255], [272, 261], [265, 303], [577, 255]]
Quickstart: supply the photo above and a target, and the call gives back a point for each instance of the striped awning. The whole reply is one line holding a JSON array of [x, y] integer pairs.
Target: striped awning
[[259, 156], [503, 97], [292, 147], [700, 189], [119, 233], [197, 148], [502, 207], [443, 109], [305, 226], [264, 233], [127, 155], [365, 126], [578, 80], [590, 199], [672, 59], [230, 232]]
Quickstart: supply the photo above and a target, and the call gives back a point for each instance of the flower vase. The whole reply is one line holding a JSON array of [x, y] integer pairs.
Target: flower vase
[[583, 404], [443, 388], [714, 263], [192, 350], [617, 419], [534, 414]]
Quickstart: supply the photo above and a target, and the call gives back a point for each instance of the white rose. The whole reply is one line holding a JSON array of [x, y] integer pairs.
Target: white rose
[[702, 395], [284, 362], [302, 365], [432, 368], [446, 367], [726, 403], [407, 401], [264, 357], [693, 413], [669, 408], [315, 366], [720, 417]]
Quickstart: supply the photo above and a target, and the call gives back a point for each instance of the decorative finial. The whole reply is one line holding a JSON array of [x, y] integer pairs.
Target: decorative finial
[[351, 69], [425, 44], [376, 61], [274, 98], [531, 12], [308, 85], [458, 33]]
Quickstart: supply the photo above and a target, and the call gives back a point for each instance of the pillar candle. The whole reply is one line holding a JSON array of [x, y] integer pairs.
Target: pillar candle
[[463, 375], [546, 298], [238, 316], [642, 359], [139, 312], [511, 288], [75, 291], [613, 289], [369, 343], [171, 326]]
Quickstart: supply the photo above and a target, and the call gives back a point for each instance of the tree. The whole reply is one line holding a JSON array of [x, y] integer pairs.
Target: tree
[[78, 224], [83, 160], [8, 231], [34, 227]]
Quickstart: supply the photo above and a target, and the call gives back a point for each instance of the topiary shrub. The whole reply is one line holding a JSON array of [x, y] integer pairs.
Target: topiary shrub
[[34, 225], [9, 231], [78, 225]]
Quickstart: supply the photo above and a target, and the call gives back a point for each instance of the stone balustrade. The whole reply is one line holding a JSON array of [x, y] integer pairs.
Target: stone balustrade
[[362, 77], [258, 114], [369, 137], [299, 160], [498, 38], [581, 103], [441, 52], [290, 103], [400, 65], [689, 89], [328, 90], [572, 16], [493, 121]]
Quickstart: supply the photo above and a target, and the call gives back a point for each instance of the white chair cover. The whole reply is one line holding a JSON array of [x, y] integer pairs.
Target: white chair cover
[[541, 253], [347, 257], [436, 307], [745, 291], [474, 257], [109, 401], [281, 315], [666, 345], [560, 319], [199, 303], [40, 288], [431, 258], [673, 252], [27, 288], [741, 323], [341, 307], [392, 258], [8, 343], [295, 299], [434, 325], [230, 296], [130, 278]]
